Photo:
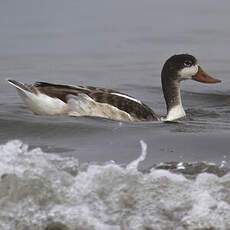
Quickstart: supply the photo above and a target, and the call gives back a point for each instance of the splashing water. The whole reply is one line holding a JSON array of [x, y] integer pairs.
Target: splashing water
[[134, 164], [45, 191]]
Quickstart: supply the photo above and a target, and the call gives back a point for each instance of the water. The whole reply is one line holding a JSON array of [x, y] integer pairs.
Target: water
[[44, 191], [121, 45]]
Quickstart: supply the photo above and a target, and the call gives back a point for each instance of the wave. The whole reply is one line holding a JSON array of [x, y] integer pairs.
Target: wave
[[40, 190]]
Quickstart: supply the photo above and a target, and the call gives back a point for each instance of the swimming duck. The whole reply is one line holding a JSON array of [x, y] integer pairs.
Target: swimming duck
[[44, 98]]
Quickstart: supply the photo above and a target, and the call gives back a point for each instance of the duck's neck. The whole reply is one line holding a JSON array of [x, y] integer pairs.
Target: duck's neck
[[171, 90]]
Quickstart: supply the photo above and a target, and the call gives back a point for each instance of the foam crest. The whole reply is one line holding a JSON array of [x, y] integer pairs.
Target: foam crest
[[133, 166], [39, 191]]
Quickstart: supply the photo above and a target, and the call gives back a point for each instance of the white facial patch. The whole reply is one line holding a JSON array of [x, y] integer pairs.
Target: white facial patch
[[188, 72]]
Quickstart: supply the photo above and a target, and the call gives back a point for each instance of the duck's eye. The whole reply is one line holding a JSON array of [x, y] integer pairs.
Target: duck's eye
[[187, 63]]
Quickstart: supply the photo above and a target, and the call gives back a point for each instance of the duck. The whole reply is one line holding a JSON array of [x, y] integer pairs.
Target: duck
[[44, 98]]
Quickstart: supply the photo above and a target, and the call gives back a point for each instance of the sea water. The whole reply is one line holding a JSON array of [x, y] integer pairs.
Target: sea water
[[40, 190]]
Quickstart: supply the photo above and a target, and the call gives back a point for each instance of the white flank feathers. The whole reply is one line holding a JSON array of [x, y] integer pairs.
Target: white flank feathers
[[83, 105], [41, 104]]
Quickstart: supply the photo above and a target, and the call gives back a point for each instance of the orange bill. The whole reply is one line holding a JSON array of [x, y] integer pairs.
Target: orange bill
[[201, 76]]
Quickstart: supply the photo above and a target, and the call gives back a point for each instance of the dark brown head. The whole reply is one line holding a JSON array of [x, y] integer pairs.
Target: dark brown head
[[176, 69], [183, 67]]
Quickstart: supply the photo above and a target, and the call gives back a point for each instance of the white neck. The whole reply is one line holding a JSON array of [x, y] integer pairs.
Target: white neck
[[176, 111]]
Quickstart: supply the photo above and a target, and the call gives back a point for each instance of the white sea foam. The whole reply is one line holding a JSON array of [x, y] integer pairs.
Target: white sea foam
[[38, 189]]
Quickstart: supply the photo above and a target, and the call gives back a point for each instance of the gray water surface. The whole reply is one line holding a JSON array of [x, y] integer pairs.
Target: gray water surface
[[120, 45], [91, 173]]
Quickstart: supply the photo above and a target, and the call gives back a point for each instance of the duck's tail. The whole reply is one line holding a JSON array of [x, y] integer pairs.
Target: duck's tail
[[20, 86]]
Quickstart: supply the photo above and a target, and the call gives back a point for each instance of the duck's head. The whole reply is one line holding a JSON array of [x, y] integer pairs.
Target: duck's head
[[176, 69], [184, 67]]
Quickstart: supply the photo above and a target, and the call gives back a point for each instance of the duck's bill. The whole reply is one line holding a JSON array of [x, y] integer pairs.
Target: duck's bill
[[201, 76]]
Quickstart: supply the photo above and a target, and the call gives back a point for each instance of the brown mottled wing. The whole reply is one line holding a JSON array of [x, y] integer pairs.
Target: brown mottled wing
[[61, 91], [137, 110], [102, 95]]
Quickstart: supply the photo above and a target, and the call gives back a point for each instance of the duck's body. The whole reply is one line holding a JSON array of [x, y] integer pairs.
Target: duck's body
[[54, 99]]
